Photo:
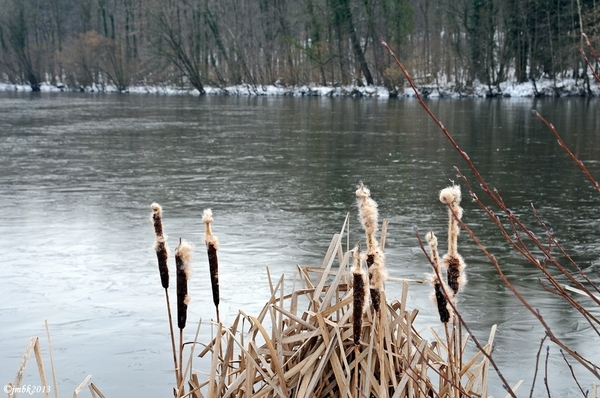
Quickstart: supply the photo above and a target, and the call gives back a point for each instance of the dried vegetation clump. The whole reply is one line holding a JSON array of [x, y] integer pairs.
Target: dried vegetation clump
[[334, 333]]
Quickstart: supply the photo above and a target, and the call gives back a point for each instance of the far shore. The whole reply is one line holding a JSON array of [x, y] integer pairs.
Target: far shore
[[541, 88]]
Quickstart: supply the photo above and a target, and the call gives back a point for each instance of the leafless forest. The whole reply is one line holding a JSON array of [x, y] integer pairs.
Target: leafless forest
[[83, 44]]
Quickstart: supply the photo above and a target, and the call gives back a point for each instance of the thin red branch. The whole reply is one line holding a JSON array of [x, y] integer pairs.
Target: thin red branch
[[462, 321], [561, 143], [587, 42]]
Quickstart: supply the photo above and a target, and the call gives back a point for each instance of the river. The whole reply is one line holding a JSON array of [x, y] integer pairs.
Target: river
[[79, 172]]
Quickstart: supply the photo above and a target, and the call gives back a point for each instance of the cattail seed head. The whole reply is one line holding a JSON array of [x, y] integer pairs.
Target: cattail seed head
[[450, 195], [439, 298], [212, 245], [435, 257], [160, 245], [444, 309], [360, 293], [183, 258], [455, 275], [453, 262], [368, 214]]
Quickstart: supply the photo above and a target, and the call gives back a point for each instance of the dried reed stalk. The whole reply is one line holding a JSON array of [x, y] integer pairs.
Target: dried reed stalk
[[212, 245], [162, 254]]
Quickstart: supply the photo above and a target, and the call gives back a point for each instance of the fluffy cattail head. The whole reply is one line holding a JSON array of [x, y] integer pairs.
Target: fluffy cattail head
[[160, 245], [450, 195], [183, 259], [368, 214], [435, 257], [209, 238], [378, 273]]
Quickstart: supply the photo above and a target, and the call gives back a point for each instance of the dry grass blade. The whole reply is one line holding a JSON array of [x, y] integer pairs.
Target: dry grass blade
[[81, 386], [51, 360]]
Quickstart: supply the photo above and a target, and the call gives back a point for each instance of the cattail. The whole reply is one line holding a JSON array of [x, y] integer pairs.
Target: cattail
[[453, 262], [368, 214], [438, 285], [183, 257], [212, 245], [160, 245], [359, 291]]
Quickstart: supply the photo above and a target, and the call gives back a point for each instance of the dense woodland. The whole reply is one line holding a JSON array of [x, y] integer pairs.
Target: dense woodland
[[91, 44]]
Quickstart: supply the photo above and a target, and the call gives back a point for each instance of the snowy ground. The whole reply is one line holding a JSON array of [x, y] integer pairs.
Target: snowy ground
[[560, 88]]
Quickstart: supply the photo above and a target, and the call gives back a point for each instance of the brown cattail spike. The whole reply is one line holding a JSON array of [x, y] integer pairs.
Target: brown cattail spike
[[160, 245], [212, 245], [442, 303], [453, 262], [359, 292], [183, 258]]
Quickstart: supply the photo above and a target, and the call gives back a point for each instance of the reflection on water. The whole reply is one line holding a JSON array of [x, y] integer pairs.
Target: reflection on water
[[80, 172]]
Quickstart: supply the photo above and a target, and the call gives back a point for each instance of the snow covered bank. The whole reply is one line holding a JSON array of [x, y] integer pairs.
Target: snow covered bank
[[544, 87]]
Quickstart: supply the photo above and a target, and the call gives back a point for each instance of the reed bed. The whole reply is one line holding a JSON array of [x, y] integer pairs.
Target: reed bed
[[304, 343], [332, 332]]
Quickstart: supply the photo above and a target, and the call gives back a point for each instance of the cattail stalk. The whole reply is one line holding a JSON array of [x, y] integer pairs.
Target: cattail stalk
[[453, 262], [162, 254], [360, 293], [212, 245], [183, 257], [455, 265], [439, 287], [160, 245], [369, 214]]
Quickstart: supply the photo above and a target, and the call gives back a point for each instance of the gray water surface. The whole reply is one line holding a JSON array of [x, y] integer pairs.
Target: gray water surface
[[79, 172]]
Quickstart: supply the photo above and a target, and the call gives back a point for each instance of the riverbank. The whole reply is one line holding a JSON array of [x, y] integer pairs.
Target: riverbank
[[541, 88]]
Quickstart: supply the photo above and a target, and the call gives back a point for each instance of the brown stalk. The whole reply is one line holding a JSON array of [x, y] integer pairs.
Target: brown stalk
[[573, 374], [162, 255], [537, 365]]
